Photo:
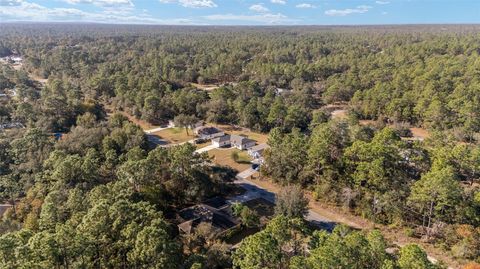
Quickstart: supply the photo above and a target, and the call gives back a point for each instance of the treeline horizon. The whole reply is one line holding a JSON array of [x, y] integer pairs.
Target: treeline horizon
[[277, 80]]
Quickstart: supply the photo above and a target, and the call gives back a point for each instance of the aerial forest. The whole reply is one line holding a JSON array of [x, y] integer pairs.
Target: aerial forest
[[89, 190]]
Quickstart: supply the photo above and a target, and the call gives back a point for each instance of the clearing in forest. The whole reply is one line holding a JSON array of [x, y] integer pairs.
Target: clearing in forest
[[175, 135], [224, 156]]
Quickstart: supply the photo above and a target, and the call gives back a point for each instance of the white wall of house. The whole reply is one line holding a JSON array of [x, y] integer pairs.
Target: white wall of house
[[245, 146], [221, 143], [254, 154]]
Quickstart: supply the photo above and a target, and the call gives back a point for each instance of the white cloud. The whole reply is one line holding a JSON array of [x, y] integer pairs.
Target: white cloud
[[305, 5], [382, 2], [110, 3], [348, 11], [10, 2], [259, 8], [279, 2], [27, 11], [192, 3], [266, 18]]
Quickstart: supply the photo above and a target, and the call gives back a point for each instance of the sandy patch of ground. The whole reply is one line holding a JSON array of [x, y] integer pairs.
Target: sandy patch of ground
[[205, 87], [339, 114], [420, 132]]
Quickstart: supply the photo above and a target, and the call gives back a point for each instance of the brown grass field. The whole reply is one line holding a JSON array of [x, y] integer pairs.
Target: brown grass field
[[175, 135], [223, 156]]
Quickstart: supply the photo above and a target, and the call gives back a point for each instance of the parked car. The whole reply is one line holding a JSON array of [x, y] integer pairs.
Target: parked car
[[200, 141]]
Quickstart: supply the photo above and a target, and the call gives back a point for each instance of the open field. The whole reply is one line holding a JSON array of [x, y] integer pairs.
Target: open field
[[175, 135], [223, 156]]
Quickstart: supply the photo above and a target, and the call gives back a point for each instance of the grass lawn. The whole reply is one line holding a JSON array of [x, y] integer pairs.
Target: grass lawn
[[175, 135], [202, 145], [223, 156]]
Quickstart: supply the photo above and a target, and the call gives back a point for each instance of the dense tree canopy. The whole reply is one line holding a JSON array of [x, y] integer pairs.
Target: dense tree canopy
[[90, 192]]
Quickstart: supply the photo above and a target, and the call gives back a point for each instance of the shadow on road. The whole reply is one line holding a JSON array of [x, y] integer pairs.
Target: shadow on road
[[323, 225], [156, 140], [253, 191]]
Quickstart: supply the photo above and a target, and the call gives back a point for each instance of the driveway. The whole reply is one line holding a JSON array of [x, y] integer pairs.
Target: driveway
[[245, 174], [205, 149], [253, 191], [156, 129]]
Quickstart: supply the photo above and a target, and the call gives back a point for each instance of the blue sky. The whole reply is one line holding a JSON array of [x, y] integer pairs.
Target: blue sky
[[243, 12]]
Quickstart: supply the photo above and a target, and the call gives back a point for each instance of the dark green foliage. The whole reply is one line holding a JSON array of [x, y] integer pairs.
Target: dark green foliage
[[94, 198]]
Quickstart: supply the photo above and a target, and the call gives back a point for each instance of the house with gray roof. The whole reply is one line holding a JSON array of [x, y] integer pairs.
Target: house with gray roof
[[216, 212], [206, 132], [236, 141], [256, 152]]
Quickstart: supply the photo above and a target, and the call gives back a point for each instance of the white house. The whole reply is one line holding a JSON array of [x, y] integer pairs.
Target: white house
[[236, 141], [221, 141], [256, 152]]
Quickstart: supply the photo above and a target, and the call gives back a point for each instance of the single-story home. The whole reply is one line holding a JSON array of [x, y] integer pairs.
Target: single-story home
[[236, 141], [206, 132], [215, 212], [256, 152], [221, 141]]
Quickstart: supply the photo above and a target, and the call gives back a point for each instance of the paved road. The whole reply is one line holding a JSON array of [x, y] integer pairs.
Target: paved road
[[156, 129], [254, 191], [245, 174]]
